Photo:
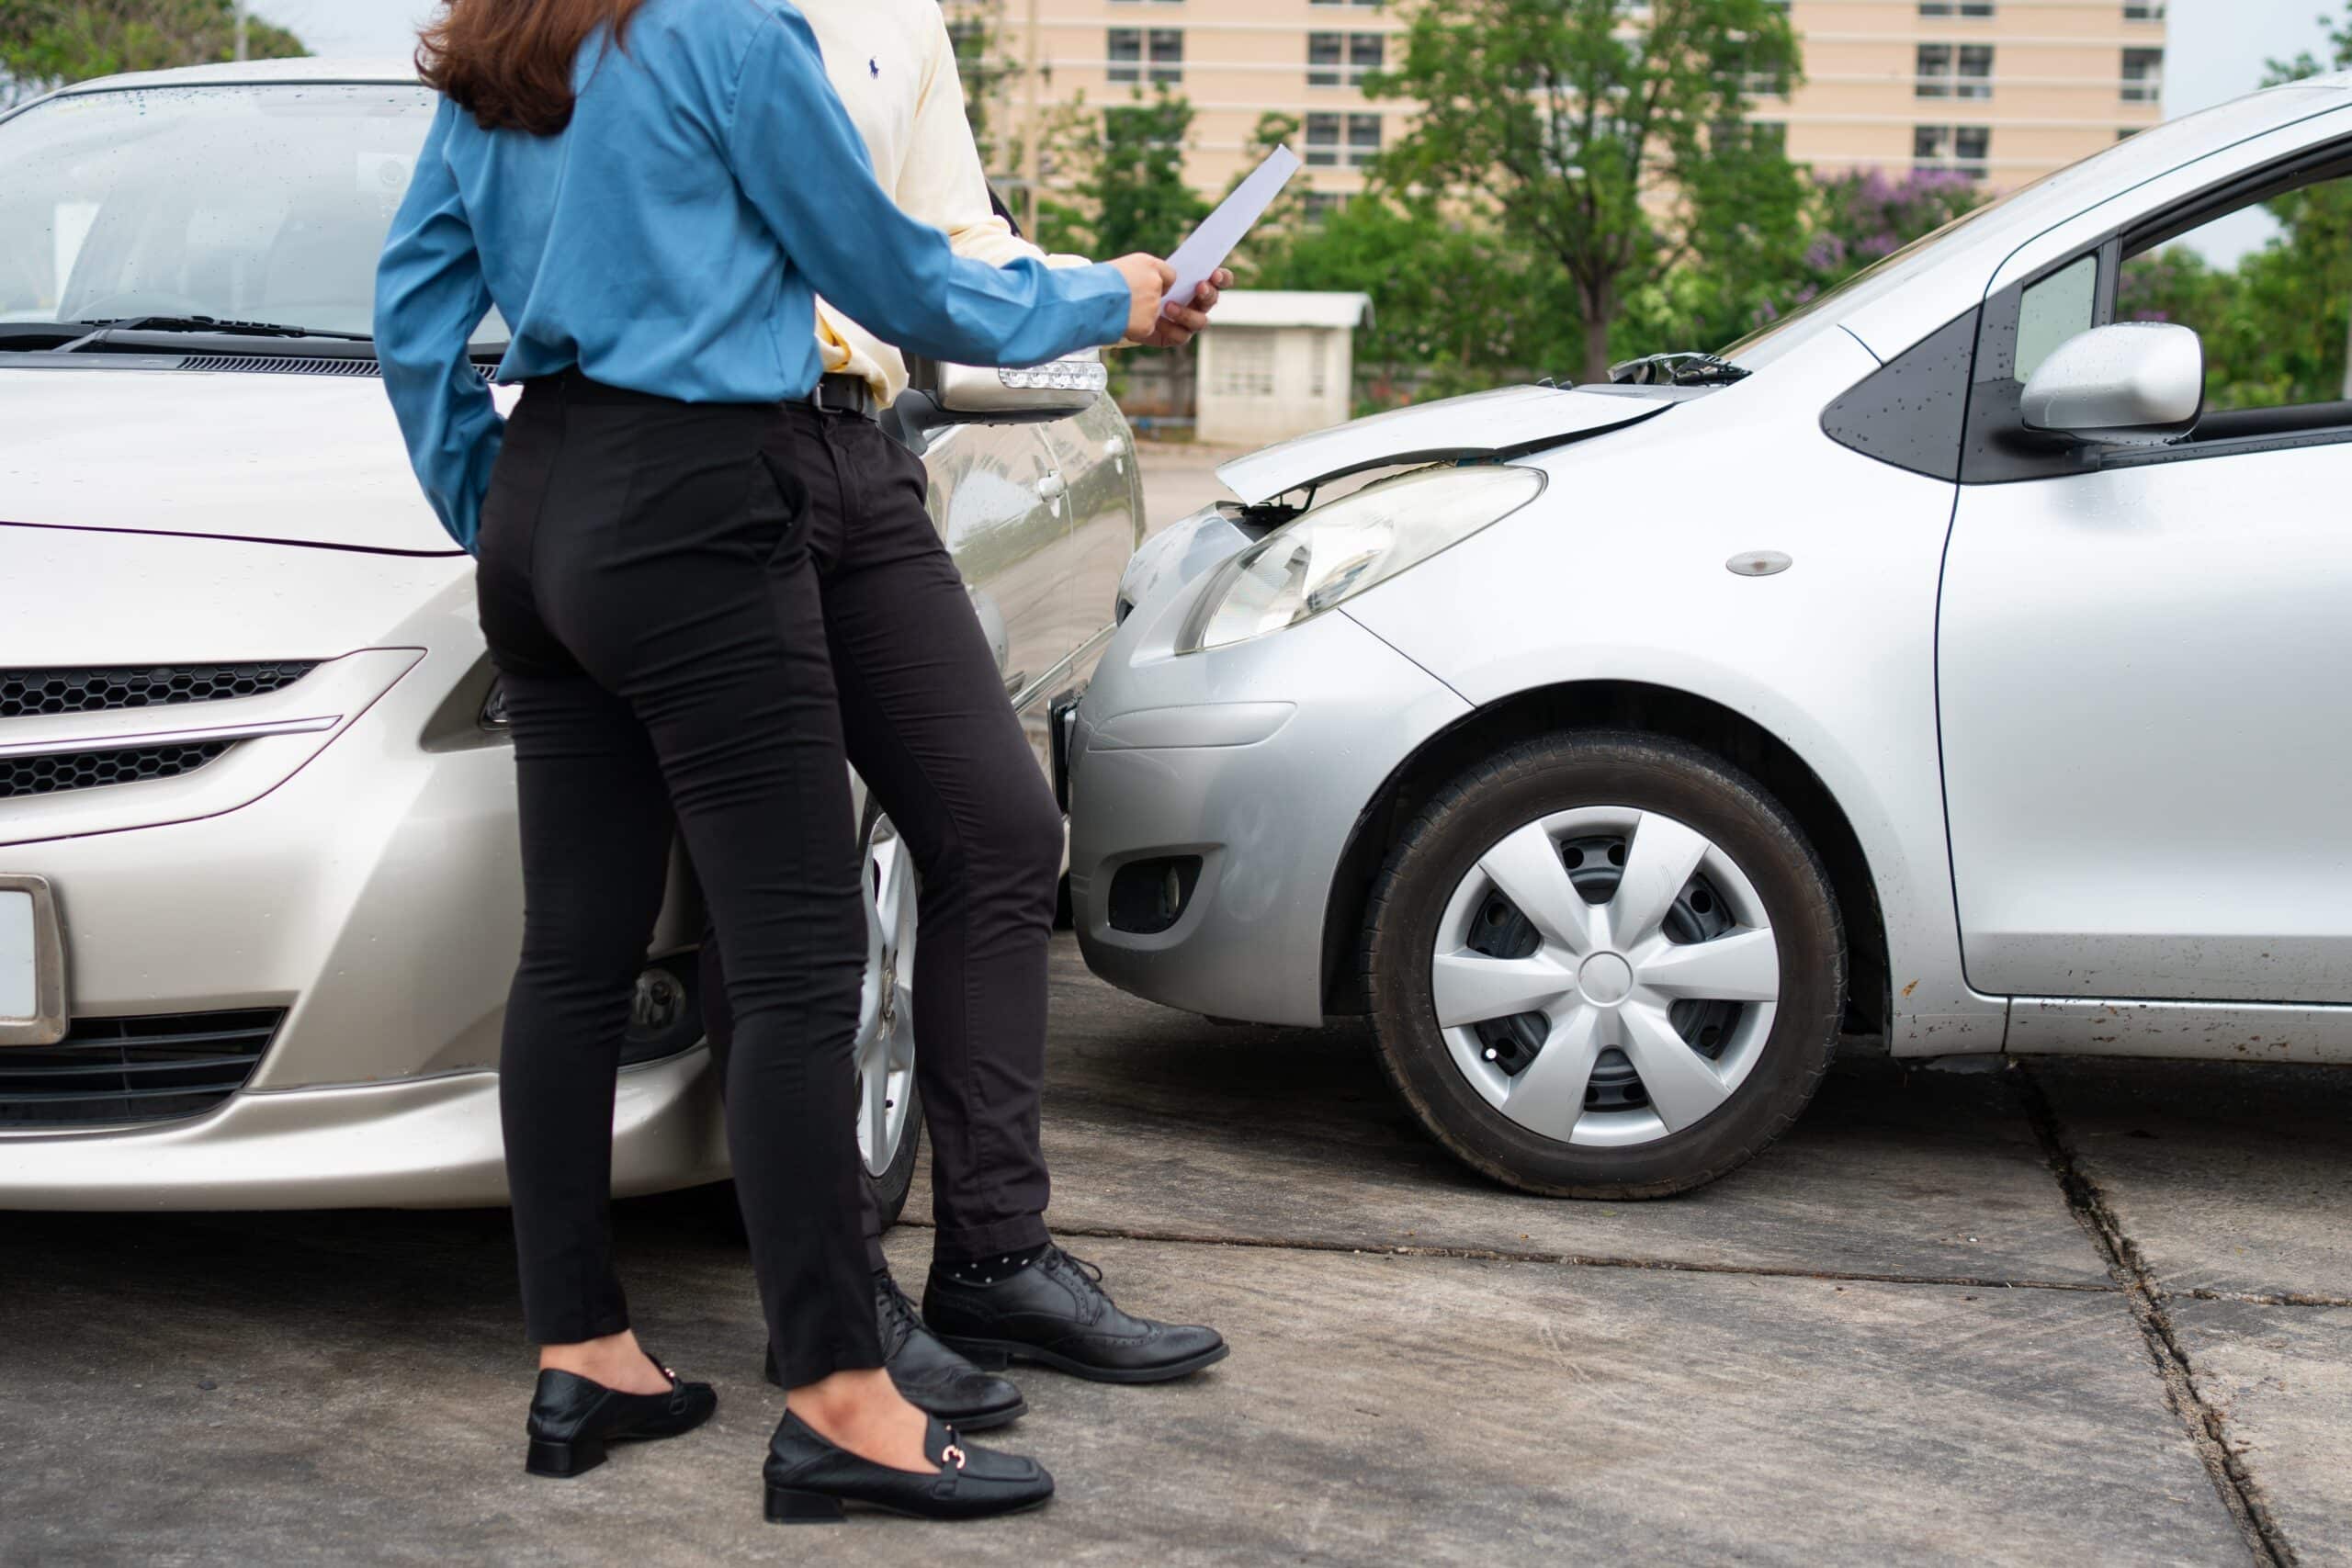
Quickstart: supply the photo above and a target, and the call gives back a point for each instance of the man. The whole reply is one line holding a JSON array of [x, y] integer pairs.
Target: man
[[928, 728]]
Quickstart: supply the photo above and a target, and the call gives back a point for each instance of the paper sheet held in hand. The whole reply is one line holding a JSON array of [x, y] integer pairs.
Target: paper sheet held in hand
[[1205, 250]]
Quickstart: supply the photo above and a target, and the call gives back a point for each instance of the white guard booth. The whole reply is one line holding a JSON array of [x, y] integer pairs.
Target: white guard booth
[[1276, 364]]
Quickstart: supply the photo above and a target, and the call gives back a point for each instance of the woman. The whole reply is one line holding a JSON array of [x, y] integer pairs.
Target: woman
[[649, 191]]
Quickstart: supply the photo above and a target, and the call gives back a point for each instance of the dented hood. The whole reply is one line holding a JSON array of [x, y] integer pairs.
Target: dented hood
[[283, 458], [1500, 423]]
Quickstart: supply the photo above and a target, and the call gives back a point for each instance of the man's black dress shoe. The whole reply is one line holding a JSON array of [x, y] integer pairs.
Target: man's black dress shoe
[[810, 1479], [572, 1419], [929, 1376], [1054, 1312]]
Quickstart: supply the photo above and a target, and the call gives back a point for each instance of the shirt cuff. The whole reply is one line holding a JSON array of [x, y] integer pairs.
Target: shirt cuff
[[1101, 289]]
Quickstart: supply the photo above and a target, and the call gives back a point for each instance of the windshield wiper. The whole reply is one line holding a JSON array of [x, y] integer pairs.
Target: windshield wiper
[[203, 324], [1687, 369]]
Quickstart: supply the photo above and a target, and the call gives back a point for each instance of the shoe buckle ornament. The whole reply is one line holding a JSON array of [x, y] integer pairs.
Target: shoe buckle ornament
[[952, 1455]]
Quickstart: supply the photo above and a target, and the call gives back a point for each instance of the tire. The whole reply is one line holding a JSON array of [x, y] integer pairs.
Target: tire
[[890, 1185], [1756, 881]]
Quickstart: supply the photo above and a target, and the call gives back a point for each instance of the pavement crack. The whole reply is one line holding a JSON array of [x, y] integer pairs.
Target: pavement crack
[[2253, 1298], [1570, 1260], [2205, 1426]]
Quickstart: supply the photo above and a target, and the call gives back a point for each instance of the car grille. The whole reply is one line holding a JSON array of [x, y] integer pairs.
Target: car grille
[[87, 770], [107, 1071], [27, 693]]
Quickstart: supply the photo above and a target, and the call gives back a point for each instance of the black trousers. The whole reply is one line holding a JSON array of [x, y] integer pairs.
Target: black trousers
[[924, 716], [648, 594]]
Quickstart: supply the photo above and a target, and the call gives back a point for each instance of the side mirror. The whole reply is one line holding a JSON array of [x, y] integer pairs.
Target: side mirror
[[940, 394], [2131, 383]]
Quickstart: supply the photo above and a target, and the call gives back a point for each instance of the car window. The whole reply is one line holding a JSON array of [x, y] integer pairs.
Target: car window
[[2051, 312], [2267, 286], [242, 203]]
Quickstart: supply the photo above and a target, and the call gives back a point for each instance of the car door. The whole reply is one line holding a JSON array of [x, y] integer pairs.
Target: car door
[[2141, 654], [1096, 457], [997, 499]]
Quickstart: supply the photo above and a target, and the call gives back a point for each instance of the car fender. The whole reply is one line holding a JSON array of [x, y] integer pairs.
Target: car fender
[[1617, 575]]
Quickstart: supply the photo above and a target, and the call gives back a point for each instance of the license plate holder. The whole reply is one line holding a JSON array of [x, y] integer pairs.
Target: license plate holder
[[32, 963]]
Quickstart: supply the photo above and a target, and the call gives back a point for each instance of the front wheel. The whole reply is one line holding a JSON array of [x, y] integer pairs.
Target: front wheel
[[1605, 964]]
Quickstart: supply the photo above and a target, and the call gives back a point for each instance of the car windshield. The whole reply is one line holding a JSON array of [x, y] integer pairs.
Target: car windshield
[[241, 203]]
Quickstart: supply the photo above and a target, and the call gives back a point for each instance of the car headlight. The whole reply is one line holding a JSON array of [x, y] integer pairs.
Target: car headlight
[[1335, 552]]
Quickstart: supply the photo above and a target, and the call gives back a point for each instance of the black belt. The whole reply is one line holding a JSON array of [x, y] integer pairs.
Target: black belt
[[842, 393]]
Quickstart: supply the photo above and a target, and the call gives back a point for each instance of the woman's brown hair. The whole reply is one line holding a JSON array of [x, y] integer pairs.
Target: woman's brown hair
[[508, 63]]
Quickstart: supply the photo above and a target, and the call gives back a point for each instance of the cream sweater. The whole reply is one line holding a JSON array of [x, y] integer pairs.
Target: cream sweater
[[894, 66]]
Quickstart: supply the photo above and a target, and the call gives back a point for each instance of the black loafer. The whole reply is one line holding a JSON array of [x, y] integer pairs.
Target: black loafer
[[574, 1418], [929, 1376], [1055, 1312], [809, 1480]]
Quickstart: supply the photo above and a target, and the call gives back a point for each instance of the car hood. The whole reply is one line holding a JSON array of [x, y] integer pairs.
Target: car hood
[[304, 460], [1501, 424]]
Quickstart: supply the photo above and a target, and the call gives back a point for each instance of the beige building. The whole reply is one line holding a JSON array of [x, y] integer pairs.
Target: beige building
[[2004, 89]]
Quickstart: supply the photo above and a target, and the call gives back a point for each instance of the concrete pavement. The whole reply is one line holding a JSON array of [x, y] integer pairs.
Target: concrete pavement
[[2069, 1312]]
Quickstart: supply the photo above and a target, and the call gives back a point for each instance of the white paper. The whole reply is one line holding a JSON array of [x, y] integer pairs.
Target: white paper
[[1205, 250]]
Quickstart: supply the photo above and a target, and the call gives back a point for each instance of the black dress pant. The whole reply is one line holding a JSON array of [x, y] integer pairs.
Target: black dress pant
[[924, 715], [648, 594]]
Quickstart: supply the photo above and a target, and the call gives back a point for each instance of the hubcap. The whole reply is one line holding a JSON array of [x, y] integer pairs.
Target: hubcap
[[1605, 976], [886, 1014]]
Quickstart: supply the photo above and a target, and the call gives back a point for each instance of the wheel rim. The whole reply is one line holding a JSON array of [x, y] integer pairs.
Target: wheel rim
[[886, 1013], [1605, 976]]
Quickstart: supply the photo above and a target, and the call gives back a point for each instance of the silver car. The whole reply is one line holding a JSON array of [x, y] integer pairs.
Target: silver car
[[259, 894], [1928, 665]]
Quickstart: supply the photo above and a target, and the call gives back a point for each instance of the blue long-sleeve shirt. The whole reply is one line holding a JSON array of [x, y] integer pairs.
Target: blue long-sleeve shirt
[[670, 240]]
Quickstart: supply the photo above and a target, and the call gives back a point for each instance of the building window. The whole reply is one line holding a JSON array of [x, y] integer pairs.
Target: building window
[[1975, 71], [1167, 54], [1955, 7], [1333, 59], [1323, 140], [1323, 51], [1963, 147], [2143, 10], [1319, 205], [1245, 365], [1359, 5], [2144, 76], [1932, 73], [1363, 139], [1124, 48], [1318, 365]]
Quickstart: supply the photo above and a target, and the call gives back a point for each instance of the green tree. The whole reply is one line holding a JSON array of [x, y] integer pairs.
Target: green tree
[[47, 43], [1618, 152], [1135, 188], [1456, 305]]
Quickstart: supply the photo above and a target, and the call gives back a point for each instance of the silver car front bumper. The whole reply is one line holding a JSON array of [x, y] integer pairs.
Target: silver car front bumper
[[1257, 758], [362, 885]]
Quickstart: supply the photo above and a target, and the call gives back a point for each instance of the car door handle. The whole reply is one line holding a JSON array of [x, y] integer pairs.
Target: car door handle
[[1052, 488]]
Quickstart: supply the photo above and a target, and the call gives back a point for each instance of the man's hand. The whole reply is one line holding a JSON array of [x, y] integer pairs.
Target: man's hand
[[1148, 279], [1177, 323]]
